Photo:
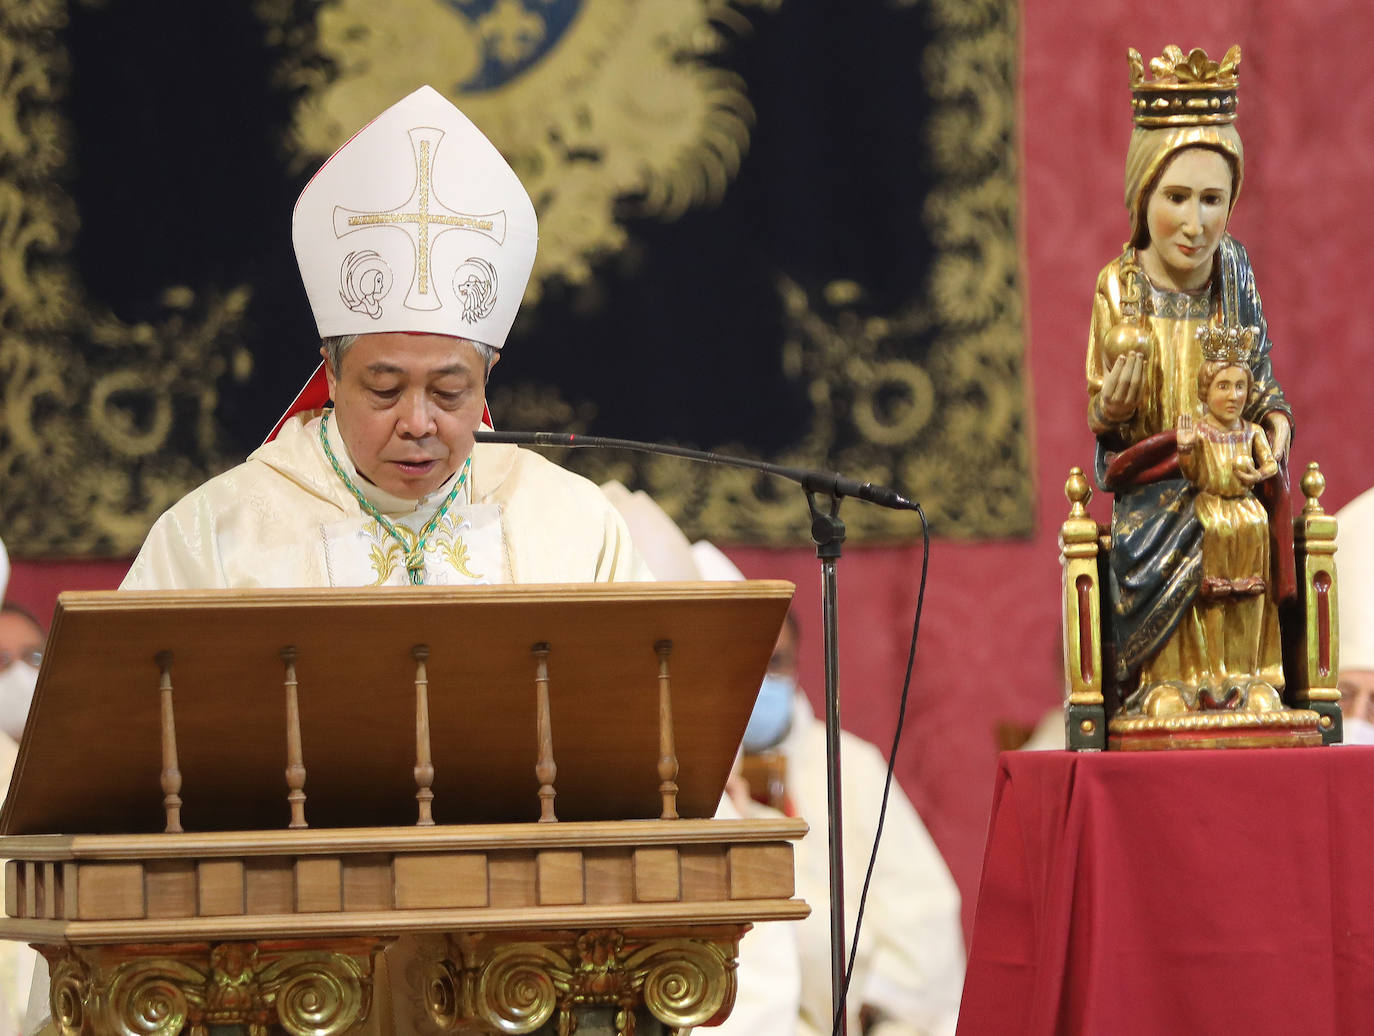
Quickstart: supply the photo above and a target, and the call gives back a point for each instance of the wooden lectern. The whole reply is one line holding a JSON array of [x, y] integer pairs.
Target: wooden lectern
[[397, 810]]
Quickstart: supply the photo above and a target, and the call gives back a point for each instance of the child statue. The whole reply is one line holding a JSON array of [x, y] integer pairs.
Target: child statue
[[1179, 276], [1224, 456]]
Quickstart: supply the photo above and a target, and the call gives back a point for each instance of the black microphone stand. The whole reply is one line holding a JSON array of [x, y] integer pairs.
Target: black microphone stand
[[827, 532]]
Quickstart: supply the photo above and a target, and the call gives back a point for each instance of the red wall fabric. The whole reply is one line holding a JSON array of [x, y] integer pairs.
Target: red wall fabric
[[989, 644]]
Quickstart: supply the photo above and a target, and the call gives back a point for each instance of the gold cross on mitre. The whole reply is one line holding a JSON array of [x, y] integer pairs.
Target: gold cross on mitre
[[418, 214]]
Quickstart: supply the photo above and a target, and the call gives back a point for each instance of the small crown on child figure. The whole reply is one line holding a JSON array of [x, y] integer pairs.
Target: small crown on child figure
[[1228, 344]]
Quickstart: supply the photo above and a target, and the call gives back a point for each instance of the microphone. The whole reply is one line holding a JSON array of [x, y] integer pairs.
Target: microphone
[[827, 483]]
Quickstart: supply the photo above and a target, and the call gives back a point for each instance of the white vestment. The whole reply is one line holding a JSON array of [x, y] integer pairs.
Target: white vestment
[[283, 518], [910, 966]]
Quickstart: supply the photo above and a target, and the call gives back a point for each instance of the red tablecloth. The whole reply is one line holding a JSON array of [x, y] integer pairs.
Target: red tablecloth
[[1177, 892]]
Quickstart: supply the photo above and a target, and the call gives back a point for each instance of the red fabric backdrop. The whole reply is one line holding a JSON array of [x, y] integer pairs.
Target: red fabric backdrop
[[989, 644]]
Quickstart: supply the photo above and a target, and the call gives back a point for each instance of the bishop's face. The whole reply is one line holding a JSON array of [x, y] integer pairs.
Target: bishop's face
[[407, 407], [1186, 215]]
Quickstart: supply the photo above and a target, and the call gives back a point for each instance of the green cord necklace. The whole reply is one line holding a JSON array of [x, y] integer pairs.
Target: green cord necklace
[[415, 559]]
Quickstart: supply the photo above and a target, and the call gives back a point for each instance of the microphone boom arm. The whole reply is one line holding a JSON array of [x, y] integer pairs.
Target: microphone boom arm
[[828, 483]]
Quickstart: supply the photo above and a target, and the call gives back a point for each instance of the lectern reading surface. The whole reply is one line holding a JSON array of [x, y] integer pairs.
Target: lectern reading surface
[[92, 753]]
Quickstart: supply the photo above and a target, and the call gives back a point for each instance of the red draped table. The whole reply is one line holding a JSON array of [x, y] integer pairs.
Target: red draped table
[[1177, 892]]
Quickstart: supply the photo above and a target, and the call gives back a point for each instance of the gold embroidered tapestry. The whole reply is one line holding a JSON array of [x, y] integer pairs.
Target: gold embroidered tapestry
[[776, 228]]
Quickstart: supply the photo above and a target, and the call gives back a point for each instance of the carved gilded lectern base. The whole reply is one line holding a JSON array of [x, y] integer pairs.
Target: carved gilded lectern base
[[613, 980], [503, 928]]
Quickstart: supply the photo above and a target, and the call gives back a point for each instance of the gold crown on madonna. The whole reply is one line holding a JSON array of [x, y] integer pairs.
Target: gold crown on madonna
[[1228, 344], [1186, 89]]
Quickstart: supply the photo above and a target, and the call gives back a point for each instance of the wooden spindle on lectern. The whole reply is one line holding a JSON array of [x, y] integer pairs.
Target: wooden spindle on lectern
[[424, 763], [295, 762], [667, 748], [171, 771], [545, 770]]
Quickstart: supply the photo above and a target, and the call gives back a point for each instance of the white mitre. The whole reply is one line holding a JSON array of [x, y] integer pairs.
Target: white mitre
[[1355, 589], [4, 570], [416, 224]]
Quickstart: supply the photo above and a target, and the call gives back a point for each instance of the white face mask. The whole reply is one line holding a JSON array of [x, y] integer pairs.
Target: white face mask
[[1358, 731], [16, 693], [772, 715]]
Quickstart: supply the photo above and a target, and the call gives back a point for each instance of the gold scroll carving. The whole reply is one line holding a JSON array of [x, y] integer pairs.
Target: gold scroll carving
[[519, 985], [165, 990]]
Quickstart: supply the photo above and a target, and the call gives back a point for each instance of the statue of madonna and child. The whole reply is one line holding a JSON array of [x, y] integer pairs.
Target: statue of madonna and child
[[1191, 423]]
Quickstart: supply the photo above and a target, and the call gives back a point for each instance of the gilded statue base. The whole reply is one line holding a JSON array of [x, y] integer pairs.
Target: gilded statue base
[[1283, 728]]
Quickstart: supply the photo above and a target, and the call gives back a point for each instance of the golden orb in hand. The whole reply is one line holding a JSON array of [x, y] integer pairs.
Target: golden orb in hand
[[1126, 337]]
